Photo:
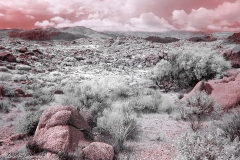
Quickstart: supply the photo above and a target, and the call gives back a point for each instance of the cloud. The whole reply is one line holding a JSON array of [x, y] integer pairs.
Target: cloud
[[44, 24], [150, 22], [223, 18], [30, 17], [134, 15], [145, 22]]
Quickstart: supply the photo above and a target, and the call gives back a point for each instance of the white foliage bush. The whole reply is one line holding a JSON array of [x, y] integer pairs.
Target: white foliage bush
[[188, 66]]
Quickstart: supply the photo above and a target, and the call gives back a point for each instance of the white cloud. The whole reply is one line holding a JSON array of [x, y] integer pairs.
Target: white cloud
[[44, 24], [150, 22], [221, 18], [30, 17]]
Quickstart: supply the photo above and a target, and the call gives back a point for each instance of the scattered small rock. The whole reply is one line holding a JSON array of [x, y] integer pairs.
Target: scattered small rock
[[9, 57], [98, 151], [22, 50]]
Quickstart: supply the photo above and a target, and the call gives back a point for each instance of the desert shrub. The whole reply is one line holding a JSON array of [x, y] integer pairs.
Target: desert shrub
[[9, 92], [92, 97], [5, 76], [186, 68], [195, 107], [120, 92], [21, 154], [28, 124], [33, 34], [210, 146], [5, 106], [39, 98], [119, 121], [152, 101], [230, 124]]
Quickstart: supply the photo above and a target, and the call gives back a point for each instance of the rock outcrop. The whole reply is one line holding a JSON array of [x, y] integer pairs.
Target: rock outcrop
[[233, 55], [60, 129], [235, 37]]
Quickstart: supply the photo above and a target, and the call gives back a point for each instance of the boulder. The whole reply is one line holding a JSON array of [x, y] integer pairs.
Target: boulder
[[1, 47], [60, 129], [98, 151], [200, 86], [22, 50], [9, 57], [19, 92], [225, 91]]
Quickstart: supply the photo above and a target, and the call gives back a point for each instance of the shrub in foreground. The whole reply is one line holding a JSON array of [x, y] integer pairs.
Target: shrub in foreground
[[230, 125], [152, 102], [120, 122], [29, 123], [210, 146], [91, 97], [186, 68], [197, 106]]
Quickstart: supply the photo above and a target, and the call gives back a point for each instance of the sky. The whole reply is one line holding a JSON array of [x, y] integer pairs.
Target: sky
[[123, 15]]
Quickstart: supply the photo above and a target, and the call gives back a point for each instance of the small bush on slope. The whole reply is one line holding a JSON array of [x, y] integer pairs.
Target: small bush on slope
[[230, 125], [184, 69], [197, 106], [29, 123]]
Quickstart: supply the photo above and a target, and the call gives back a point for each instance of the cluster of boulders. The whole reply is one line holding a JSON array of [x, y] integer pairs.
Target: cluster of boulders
[[232, 55], [235, 38], [64, 130]]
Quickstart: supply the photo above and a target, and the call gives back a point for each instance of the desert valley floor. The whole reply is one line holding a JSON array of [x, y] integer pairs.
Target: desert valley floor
[[117, 69]]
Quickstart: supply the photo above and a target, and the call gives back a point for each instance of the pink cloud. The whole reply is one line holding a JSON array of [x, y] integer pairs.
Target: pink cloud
[[134, 15], [225, 17]]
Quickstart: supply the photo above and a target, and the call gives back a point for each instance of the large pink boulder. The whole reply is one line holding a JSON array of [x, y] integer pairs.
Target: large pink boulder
[[60, 129], [98, 151], [225, 91], [200, 86]]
